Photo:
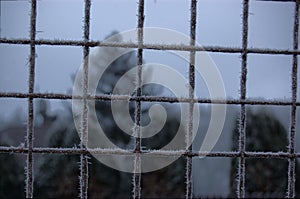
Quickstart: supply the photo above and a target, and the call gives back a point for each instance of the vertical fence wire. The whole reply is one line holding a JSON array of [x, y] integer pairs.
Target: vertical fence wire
[[84, 175], [242, 125], [30, 122], [189, 137], [292, 159], [0, 18], [137, 160]]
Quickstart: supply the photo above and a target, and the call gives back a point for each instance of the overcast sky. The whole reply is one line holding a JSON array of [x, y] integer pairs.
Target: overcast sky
[[218, 23]]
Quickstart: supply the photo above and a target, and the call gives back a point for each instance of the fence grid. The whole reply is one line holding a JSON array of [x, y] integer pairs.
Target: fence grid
[[86, 43]]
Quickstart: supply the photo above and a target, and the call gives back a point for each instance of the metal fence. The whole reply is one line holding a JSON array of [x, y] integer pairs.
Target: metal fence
[[86, 43]]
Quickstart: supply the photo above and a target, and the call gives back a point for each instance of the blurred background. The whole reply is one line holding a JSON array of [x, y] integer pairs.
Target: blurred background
[[219, 23]]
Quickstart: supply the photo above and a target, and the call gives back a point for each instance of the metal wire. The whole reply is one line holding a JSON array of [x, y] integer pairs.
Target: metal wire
[[137, 176], [30, 122], [177, 47], [242, 125], [189, 160], [83, 179], [109, 151], [83, 151], [149, 99], [292, 161]]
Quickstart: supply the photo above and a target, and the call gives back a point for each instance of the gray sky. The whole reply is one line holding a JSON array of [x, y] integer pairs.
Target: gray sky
[[218, 23]]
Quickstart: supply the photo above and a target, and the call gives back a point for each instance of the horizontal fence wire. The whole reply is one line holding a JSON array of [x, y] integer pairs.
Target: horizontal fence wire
[[29, 149], [118, 151], [4, 95], [175, 47]]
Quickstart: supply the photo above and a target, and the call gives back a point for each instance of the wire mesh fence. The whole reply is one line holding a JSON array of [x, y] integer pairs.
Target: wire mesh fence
[[242, 154]]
